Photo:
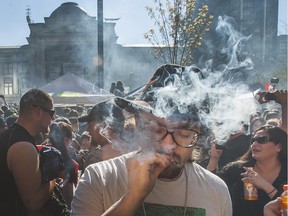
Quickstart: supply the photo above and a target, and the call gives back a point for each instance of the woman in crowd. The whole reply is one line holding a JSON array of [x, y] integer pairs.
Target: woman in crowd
[[61, 135], [264, 165]]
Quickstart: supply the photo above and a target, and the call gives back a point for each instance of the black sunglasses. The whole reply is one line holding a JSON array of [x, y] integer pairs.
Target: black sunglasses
[[260, 140], [50, 112]]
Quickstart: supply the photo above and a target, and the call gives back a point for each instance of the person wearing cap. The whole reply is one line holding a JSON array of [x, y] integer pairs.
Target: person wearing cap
[[94, 119], [157, 179], [75, 125], [84, 150], [21, 189], [85, 141], [60, 137]]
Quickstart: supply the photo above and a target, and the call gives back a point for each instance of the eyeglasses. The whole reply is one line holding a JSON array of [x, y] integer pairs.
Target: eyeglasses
[[185, 138], [260, 140], [49, 111]]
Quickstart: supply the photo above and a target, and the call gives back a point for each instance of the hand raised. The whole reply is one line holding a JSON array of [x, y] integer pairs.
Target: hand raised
[[254, 178], [143, 171]]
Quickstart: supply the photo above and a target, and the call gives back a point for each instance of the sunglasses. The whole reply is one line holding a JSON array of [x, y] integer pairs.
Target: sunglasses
[[260, 140], [50, 112]]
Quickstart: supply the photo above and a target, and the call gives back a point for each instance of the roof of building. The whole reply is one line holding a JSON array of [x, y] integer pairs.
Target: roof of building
[[68, 9]]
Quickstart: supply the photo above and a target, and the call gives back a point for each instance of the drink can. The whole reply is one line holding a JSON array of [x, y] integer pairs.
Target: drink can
[[250, 191]]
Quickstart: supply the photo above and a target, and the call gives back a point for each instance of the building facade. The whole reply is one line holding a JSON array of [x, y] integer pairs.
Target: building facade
[[257, 22], [258, 18], [67, 42]]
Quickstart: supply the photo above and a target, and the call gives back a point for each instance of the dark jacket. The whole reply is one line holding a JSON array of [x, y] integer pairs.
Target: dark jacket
[[243, 207]]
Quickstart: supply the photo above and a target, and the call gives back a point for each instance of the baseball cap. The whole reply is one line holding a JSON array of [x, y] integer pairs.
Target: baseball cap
[[85, 134], [133, 106], [98, 112], [173, 74], [167, 106], [163, 76]]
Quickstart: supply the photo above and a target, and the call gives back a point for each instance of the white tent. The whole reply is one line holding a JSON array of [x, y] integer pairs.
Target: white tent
[[70, 89]]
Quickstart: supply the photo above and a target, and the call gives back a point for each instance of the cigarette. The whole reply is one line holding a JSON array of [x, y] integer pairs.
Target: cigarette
[[177, 162]]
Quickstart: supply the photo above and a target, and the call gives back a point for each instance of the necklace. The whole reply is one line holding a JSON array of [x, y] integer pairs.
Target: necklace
[[186, 195]]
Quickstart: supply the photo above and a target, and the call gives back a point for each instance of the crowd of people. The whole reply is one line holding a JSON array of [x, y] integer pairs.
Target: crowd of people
[[117, 88], [121, 157]]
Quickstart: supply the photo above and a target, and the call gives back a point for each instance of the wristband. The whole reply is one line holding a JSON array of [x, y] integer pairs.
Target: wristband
[[271, 191]]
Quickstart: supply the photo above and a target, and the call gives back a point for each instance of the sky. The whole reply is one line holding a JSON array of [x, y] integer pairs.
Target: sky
[[130, 28]]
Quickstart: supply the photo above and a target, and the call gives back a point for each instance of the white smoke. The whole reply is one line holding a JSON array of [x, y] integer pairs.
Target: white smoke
[[222, 101], [229, 105], [235, 45]]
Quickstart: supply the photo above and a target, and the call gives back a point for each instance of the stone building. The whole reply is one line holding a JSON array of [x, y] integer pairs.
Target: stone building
[[67, 42], [258, 18]]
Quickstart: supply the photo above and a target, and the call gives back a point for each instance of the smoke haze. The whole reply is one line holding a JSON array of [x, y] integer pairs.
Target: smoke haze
[[220, 98]]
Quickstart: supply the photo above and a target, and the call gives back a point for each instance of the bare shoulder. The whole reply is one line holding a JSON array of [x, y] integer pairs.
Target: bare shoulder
[[23, 147], [21, 152]]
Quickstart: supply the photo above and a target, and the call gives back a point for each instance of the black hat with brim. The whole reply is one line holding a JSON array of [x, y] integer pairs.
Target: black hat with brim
[[163, 76], [133, 106], [98, 112]]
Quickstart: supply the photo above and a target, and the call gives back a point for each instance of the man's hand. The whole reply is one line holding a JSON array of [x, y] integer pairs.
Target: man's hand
[[281, 97], [215, 155], [261, 97], [143, 171]]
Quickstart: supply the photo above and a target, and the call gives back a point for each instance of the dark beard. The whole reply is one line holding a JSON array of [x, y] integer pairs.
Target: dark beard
[[174, 170], [171, 172]]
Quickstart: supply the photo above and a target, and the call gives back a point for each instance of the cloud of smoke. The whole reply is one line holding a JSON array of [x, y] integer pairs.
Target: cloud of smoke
[[222, 100], [226, 95], [235, 49]]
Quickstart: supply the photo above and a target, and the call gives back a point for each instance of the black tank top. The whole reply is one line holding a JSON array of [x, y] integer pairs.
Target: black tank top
[[10, 201]]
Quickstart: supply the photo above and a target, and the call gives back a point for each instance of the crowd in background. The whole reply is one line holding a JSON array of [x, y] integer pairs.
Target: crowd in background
[[78, 151], [81, 148]]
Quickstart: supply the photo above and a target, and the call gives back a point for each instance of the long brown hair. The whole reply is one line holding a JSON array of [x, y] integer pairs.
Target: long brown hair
[[277, 135]]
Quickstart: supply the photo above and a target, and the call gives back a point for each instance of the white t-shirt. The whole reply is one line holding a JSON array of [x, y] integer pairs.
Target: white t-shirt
[[103, 183]]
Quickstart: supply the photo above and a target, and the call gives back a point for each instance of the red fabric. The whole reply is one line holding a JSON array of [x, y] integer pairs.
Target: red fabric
[[76, 165], [39, 147], [74, 177], [268, 87]]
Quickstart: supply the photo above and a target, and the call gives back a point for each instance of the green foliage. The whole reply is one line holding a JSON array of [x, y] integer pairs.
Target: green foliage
[[181, 28]]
